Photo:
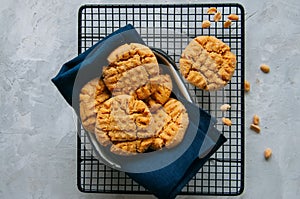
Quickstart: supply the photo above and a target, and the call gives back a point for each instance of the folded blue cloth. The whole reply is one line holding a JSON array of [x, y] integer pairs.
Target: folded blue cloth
[[168, 181]]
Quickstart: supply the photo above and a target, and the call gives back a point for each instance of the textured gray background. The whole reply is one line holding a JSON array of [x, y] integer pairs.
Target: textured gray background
[[37, 133]]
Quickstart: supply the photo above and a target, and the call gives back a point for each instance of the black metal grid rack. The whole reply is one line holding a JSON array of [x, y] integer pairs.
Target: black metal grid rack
[[171, 27]]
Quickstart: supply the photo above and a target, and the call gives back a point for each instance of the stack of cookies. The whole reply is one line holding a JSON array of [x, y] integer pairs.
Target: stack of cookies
[[129, 107]]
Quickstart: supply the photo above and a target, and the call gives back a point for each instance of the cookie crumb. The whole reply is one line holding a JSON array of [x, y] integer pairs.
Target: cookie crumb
[[247, 86], [217, 17], [265, 68], [226, 121], [233, 17], [211, 10], [267, 153]]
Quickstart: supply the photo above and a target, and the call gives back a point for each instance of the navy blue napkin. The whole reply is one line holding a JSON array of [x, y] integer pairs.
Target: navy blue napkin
[[168, 181]]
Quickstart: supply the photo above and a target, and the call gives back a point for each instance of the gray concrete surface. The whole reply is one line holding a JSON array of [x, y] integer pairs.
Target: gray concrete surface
[[38, 153]]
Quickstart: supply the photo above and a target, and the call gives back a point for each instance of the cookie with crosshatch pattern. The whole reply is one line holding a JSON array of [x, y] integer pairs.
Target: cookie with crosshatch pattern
[[130, 67], [119, 119], [93, 94], [207, 63], [165, 128]]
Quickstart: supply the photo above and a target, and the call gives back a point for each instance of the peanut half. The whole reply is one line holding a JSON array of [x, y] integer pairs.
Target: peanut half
[[265, 68], [256, 119], [225, 107], [205, 24], [233, 17], [226, 121], [211, 10], [247, 86], [255, 128], [227, 23], [267, 153], [217, 17]]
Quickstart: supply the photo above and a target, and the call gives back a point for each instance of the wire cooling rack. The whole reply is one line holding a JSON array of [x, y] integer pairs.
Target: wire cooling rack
[[171, 27]]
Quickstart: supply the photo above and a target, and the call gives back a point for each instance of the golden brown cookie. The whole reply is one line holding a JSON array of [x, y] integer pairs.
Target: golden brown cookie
[[130, 126], [207, 63], [174, 131], [130, 66], [92, 95], [119, 119]]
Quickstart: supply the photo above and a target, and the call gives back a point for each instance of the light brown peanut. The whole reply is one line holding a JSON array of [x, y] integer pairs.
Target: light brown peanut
[[265, 68], [227, 23], [211, 10], [233, 17], [225, 107], [226, 121], [267, 153], [255, 128], [256, 119], [247, 86], [217, 17], [205, 24]]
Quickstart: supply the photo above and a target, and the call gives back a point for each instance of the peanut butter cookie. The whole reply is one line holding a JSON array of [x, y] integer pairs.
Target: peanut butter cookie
[[130, 66], [119, 119], [174, 131], [91, 97], [207, 63], [130, 126]]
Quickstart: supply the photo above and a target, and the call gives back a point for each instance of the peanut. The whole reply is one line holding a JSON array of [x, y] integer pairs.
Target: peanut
[[267, 153], [217, 17], [265, 68], [226, 121], [255, 128], [247, 86], [225, 107], [211, 10], [256, 119], [205, 24], [233, 17], [227, 23]]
